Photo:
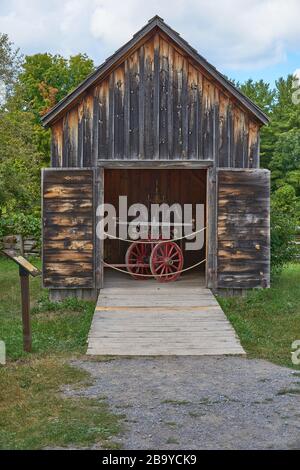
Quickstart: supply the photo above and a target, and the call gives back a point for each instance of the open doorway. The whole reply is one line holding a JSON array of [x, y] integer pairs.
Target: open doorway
[[145, 186]]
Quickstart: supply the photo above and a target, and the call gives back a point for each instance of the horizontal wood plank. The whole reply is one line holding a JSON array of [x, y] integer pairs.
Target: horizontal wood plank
[[68, 228], [158, 320], [243, 228]]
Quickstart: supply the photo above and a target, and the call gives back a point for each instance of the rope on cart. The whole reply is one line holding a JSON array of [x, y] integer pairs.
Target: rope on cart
[[154, 241], [151, 275]]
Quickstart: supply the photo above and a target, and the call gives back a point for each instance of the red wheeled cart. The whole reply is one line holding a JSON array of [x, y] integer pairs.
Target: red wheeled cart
[[162, 259], [155, 257]]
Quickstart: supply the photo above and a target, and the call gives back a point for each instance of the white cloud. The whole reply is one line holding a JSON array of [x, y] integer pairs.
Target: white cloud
[[297, 74], [232, 34]]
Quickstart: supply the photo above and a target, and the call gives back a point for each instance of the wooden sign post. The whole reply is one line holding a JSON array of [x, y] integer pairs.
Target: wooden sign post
[[25, 268]]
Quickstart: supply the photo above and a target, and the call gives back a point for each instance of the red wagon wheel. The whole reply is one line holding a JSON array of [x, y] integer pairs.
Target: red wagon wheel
[[165, 261], [137, 259]]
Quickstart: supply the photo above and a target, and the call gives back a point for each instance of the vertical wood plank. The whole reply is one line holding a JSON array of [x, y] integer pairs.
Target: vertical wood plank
[[88, 130], [211, 231], [57, 144], [141, 103], [199, 129], [163, 93], [134, 106], [177, 107], [253, 145], [156, 98], [99, 243], [73, 137], [185, 113], [103, 125], [80, 133], [95, 136], [65, 150], [230, 137], [149, 100], [119, 113], [170, 101], [223, 131], [126, 109], [245, 140], [216, 121], [111, 120], [192, 113]]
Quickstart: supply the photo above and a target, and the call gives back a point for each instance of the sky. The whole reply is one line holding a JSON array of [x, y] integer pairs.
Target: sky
[[242, 38]]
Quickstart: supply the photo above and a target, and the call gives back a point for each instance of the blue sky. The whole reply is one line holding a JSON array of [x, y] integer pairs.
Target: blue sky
[[242, 38]]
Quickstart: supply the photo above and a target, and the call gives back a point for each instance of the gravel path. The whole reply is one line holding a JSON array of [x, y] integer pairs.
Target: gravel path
[[199, 402]]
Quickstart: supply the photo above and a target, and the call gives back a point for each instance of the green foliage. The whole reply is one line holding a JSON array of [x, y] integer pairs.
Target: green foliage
[[21, 224], [280, 151], [285, 164], [36, 85], [45, 79], [260, 92], [284, 215], [9, 65], [20, 163]]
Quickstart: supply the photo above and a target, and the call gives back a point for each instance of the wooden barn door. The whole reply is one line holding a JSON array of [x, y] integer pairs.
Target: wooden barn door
[[70, 247], [243, 228]]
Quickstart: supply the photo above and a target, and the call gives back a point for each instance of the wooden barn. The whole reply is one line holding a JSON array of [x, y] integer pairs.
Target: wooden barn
[[155, 117]]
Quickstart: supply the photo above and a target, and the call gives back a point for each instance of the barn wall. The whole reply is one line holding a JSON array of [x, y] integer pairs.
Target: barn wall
[[243, 229], [69, 228], [157, 104]]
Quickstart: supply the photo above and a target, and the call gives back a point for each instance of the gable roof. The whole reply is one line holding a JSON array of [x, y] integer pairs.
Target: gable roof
[[154, 23]]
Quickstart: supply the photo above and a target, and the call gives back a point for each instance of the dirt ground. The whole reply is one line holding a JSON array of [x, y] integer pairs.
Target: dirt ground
[[199, 402]]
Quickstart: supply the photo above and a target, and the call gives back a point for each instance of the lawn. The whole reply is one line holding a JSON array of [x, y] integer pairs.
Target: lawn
[[56, 328], [33, 412], [268, 320]]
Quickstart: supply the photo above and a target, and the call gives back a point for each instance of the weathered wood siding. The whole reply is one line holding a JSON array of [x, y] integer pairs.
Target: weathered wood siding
[[243, 230], [157, 104], [68, 228]]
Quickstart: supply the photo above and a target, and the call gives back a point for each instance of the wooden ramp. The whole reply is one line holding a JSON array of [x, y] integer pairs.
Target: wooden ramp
[[149, 318]]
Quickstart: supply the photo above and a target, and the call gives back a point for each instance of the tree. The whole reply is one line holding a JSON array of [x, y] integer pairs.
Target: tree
[[43, 81], [260, 93], [265, 97], [19, 163], [285, 164], [285, 213], [10, 61]]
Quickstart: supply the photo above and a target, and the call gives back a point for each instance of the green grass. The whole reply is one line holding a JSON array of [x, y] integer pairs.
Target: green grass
[[33, 412], [56, 327], [268, 320], [34, 415]]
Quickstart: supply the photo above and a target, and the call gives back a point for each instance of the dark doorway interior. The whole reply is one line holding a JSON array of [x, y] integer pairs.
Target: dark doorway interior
[[171, 186]]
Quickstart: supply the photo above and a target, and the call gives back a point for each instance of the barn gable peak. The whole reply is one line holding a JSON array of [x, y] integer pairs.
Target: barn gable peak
[[156, 23]]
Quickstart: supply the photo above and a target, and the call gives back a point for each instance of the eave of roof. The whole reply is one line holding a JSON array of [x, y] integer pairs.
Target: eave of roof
[[155, 22]]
